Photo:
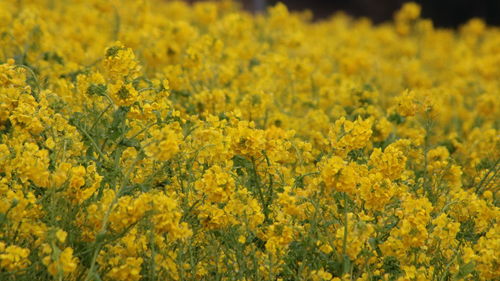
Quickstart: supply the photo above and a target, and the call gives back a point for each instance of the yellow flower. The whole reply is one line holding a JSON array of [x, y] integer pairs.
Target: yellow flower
[[123, 94], [321, 275], [120, 63], [390, 163], [325, 248], [339, 175], [130, 270], [409, 11], [406, 103], [13, 258], [64, 263], [164, 143], [242, 239], [61, 235], [49, 143], [347, 135]]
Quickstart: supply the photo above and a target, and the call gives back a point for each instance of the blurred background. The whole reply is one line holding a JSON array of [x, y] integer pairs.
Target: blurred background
[[444, 13]]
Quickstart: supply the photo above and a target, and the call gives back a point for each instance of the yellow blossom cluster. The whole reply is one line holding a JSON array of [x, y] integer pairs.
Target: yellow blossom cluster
[[161, 140]]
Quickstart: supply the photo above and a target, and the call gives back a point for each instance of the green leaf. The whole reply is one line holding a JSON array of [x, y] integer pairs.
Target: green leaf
[[118, 127]]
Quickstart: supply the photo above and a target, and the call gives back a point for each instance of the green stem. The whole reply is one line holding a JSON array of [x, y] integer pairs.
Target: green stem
[[105, 220], [344, 242], [100, 116]]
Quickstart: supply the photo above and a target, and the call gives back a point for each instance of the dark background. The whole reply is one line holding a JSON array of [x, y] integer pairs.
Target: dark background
[[444, 13]]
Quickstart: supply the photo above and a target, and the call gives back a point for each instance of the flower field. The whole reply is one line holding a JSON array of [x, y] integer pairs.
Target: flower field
[[156, 140]]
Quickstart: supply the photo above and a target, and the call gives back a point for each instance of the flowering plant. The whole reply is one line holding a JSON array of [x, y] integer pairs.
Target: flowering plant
[[156, 140]]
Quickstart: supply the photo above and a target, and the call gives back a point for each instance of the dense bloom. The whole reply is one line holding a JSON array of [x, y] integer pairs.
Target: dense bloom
[[162, 140]]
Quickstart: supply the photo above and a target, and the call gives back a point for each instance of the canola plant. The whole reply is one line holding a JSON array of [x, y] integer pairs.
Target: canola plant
[[156, 140]]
